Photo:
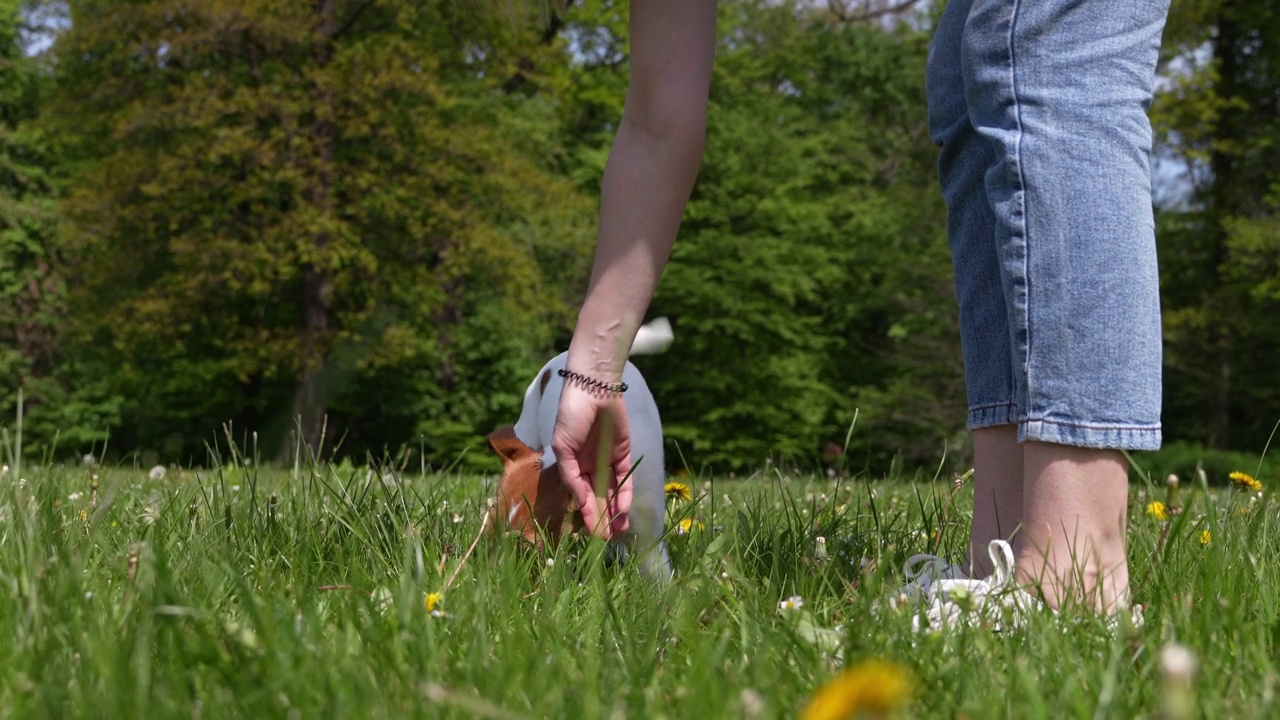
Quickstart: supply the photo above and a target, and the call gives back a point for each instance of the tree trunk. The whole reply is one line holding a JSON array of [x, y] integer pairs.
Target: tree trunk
[[309, 403], [1223, 168]]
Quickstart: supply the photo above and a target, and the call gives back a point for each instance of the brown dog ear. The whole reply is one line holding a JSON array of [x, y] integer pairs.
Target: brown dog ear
[[507, 445]]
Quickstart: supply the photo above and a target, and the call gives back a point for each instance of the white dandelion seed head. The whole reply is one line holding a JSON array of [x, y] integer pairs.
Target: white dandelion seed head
[[157, 473], [1177, 662]]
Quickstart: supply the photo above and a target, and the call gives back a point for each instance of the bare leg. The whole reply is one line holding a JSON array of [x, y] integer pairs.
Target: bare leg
[[997, 493], [1072, 543]]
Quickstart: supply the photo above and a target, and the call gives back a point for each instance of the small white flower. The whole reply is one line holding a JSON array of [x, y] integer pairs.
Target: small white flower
[[235, 488], [4, 471], [157, 473], [457, 519], [75, 496], [88, 596], [551, 562], [795, 602]]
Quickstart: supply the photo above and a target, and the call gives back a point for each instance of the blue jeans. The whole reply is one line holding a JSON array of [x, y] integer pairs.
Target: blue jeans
[[1040, 108]]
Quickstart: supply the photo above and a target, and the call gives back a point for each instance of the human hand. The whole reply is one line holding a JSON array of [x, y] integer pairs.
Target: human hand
[[592, 426]]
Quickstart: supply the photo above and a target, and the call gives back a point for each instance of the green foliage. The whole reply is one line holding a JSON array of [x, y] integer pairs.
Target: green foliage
[[375, 218], [1220, 250], [810, 280], [1187, 460], [295, 202], [65, 402]]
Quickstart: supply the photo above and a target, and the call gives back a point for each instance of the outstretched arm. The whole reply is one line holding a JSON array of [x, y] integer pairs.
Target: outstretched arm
[[647, 180]]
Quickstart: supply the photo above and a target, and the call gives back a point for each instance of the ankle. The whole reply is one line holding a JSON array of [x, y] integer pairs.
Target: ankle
[[1097, 582]]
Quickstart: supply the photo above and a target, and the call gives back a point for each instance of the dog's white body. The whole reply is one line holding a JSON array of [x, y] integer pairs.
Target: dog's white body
[[538, 420]]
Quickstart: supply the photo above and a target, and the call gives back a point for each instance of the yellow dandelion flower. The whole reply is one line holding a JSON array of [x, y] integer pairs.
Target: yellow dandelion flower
[[1206, 537], [1157, 510], [432, 600], [687, 525], [1245, 481], [677, 491], [870, 689]]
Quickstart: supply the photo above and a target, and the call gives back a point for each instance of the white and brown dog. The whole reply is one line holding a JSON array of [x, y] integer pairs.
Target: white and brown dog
[[531, 498]]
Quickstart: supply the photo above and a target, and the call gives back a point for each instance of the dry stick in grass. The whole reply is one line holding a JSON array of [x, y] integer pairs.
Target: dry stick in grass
[[956, 485], [604, 450], [473, 706], [484, 523], [134, 552]]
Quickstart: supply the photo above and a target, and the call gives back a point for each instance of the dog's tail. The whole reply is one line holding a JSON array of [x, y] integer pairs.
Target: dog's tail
[[653, 337]]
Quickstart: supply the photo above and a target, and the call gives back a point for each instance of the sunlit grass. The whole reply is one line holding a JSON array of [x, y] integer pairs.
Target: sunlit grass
[[240, 591]]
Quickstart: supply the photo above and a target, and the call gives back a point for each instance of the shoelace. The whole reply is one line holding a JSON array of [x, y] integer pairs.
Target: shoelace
[[951, 599], [923, 570]]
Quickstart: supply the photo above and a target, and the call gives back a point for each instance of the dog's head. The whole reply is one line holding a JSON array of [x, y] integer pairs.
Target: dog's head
[[531, 499]]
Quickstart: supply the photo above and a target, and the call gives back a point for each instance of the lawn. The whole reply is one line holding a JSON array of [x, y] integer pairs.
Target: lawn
[[242, 591]]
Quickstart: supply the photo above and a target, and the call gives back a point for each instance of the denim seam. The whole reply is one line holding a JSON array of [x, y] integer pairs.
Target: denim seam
[[989, 406], [1093, 426], [1025, 317]]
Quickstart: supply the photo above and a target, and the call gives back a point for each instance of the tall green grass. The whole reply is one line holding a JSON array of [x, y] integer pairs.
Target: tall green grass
[[241, 591]]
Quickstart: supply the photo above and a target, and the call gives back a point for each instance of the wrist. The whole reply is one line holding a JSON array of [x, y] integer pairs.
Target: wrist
[[599, 346]]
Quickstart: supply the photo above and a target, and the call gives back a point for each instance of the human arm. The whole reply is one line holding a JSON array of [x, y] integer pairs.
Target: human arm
[[647, 181]]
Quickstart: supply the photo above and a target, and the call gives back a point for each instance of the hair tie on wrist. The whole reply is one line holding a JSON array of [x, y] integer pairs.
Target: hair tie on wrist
[[593, 384]]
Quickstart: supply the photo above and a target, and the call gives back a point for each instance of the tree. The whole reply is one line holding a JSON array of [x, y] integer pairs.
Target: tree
[[1220, 249], [279, 205], [811, 279], [63, 400]]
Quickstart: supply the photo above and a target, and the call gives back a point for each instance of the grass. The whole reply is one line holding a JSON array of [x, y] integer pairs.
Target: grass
[[251, 592]]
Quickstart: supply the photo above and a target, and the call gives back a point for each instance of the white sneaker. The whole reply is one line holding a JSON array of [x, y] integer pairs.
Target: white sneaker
[[923, 571], [995, 602]]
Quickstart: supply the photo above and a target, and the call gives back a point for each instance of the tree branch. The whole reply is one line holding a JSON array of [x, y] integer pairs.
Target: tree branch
[[865, 10]]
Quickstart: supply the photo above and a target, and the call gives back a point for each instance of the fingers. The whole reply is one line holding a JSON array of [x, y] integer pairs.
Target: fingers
[[624, 486], [620, 505], [591, 429], [581, 487]]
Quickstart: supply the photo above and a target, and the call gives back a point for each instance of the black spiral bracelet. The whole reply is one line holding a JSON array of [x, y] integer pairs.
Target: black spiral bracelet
[[592, 383]]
